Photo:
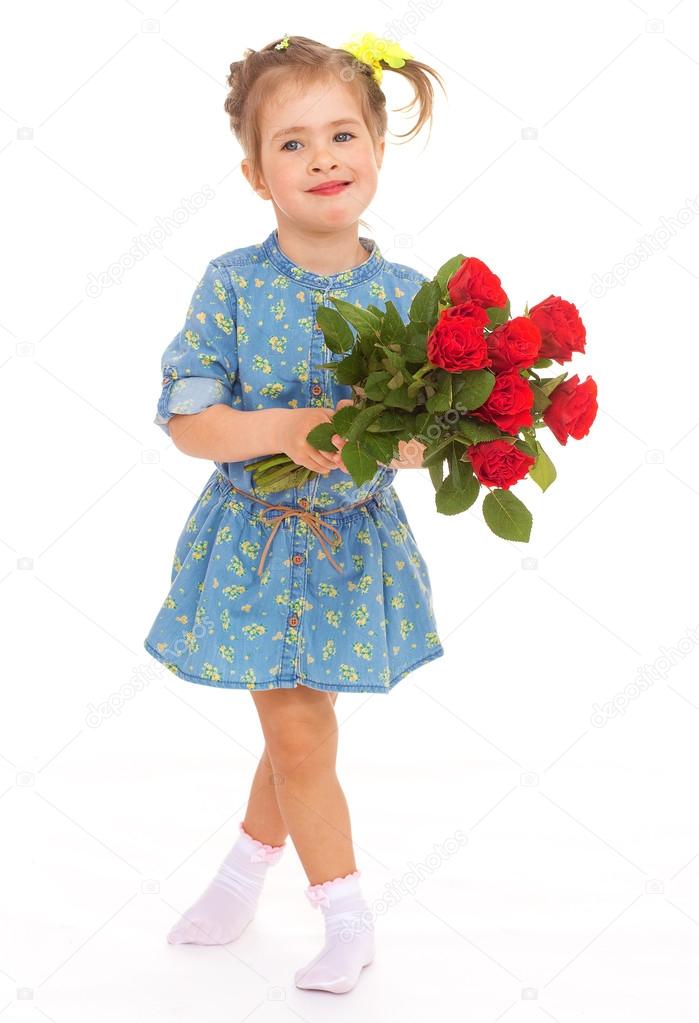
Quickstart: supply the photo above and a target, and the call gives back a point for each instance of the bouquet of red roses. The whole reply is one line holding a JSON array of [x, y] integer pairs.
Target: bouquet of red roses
[[461, 378]]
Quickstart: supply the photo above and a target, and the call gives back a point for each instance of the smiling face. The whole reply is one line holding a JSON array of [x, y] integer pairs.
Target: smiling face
[[329, 142]]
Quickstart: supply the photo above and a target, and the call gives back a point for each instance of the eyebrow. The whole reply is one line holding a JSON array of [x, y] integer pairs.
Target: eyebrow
[[299, 127]]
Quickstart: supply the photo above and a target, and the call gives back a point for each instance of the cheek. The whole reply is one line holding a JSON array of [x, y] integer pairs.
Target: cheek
[[368, 170]]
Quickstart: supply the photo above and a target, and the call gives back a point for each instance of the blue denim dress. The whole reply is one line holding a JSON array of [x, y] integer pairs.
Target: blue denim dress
[[251, 340]]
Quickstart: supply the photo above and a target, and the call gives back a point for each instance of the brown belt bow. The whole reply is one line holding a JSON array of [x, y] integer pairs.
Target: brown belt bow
[[313, 519]]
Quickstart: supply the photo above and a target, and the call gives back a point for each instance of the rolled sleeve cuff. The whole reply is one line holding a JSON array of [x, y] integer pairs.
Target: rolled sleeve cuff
[[188, 395]]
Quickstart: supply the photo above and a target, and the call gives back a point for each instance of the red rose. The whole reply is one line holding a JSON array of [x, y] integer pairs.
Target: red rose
[[475, 282], [458, 341], [509, 404], [572, 410], [497, 463], [514, 345], [562, 330]]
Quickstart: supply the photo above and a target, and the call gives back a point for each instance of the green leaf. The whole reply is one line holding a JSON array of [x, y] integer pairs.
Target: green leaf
[[425, 305], [477, 432], [376, 384], [498, 315], [344, 418], [351, 369], [319, 437], [391, 361], [447, 271], [362, 319], [436, 471], [455, 465], [440, 401], [456, 494], [541, 401], [415, 347], [338, 336], [392, 329], [390, 422], [527, 445], [395, 381], [422, 420], [380, 445], [436, 451], [360, 464], [399, 398], [550, 384], [507, 516], [365, 418], [472, 388], [542, 363], [414, 354], [543, 472]]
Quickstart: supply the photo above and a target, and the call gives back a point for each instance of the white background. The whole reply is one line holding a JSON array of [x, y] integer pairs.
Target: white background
[[568, 137]]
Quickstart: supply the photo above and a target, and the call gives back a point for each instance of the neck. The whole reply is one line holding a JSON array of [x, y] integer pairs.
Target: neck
[[322, 252]]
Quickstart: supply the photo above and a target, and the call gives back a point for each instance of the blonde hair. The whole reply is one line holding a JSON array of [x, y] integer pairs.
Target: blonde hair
[[257, 76]]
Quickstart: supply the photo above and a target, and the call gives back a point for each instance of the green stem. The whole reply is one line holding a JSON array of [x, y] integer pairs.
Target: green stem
[[273, 476], [268, 461], [425, 369]]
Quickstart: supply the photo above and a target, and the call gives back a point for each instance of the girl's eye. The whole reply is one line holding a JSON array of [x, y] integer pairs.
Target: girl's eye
[[348, 133]]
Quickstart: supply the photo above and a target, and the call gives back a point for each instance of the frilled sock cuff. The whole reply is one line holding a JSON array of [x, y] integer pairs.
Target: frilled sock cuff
[[259, 851], [322, 893]]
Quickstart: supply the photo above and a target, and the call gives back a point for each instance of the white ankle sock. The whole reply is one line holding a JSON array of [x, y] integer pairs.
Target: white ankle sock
[[349, 936], [228, 905]]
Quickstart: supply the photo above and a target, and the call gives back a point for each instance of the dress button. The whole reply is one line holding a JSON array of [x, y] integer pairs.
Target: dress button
[[303, 501], [316, 389], [297, 559], [293, 621]]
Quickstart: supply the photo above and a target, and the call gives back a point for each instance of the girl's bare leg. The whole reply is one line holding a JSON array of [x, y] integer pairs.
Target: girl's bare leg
[[226, 907], [263, 818], [300, 730]]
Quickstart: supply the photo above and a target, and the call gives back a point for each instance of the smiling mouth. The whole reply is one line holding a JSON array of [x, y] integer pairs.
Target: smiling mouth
[[329, 189]]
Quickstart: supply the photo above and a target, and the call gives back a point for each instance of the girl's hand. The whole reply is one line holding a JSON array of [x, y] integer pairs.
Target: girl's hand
[[293, 427], [410, 452]]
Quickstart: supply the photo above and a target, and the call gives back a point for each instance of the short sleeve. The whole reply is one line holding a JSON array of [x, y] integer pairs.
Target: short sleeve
[[200, 364]]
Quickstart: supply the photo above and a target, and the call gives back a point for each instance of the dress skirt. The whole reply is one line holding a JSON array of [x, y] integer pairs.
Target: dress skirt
[[358, 627]]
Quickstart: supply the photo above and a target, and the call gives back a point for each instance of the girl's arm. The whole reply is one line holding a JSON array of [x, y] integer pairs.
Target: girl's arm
[[225, 434]]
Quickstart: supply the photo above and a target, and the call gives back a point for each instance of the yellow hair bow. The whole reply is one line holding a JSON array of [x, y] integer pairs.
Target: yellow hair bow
[[371, 49]]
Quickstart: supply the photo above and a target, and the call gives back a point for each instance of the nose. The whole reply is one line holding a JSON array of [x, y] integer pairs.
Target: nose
[[323, 161]]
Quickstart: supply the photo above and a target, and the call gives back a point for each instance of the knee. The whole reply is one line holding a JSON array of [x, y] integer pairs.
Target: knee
[[297, 742]]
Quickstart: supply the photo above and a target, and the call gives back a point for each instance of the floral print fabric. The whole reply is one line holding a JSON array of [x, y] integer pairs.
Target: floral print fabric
[[251, 340]]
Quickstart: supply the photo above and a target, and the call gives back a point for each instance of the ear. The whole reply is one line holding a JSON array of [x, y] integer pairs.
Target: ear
[[258, 185], [380, 149]]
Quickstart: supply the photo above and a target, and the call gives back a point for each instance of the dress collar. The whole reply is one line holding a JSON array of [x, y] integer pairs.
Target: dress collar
[[355, 275]]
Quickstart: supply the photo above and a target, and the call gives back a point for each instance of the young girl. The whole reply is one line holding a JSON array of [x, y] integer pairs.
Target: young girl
[[318, 589]]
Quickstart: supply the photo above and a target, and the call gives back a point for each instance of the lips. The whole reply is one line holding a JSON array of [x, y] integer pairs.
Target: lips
[[329, 188]]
